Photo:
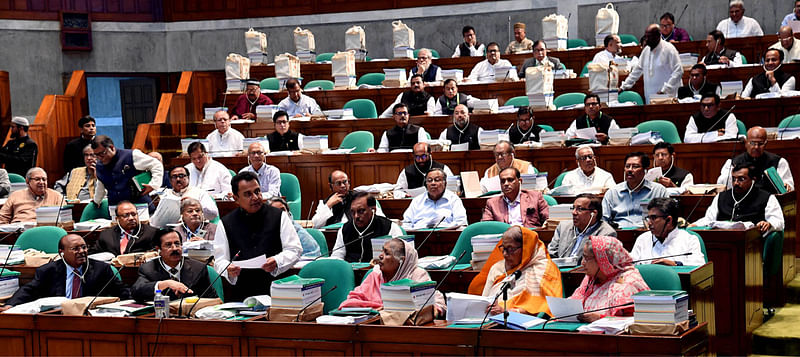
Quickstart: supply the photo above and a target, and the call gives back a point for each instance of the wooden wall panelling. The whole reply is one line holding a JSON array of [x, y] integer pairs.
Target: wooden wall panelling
[[308, 340], [5, 103], [17, 336]]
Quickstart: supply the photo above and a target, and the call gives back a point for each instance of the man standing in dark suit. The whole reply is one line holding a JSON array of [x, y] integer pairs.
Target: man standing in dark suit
[[171, 271], [128, 236], [73, 276]]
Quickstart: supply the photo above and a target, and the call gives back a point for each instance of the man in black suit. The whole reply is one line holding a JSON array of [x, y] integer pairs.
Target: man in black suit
[[171, 271], [73, 276], [129, 233]]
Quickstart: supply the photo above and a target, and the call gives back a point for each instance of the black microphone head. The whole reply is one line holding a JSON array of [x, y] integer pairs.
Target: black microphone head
[[517, 274]]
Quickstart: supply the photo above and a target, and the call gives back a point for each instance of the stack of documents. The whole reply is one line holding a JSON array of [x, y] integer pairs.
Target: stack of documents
[[403, 52], [552, 138], [454, 74], [482, 247], [517, 321], [122, 308], [486, 106], [9, 282], [661, 307], [503, 74], [377, 243], [16, 256], [265, 112], [339, 114], [561, 212], [315, 142], [621, 136], [344, 82], [491, 137], [306, 56], [395, 74], [730, 87], [295, 292], [407, 295], [466, 308], [49, 215], [454, 183]]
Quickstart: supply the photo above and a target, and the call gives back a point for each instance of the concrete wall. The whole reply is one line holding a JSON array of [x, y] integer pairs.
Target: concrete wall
[[33, 57]]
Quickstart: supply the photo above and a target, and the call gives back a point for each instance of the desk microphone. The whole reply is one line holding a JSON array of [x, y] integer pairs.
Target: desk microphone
[[189, 314], [5, 263], [430, 233], [581, 313], [63, 198], [725, 115], [666, 256], [439, 285], [556, 178], [506, 281], [698, 203], [113, 276], [330, 254], [296, 319]]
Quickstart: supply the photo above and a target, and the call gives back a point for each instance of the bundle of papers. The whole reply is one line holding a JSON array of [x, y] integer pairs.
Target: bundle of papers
[[16, 256], [647, 138], [688, 59], [16, 226], [486, 106], [122, 308], [454, 74], [377, 243], [436, 262], [315, 142], [561, 212], [48, 215], [295, 292], [730, 87], [661, 306], [265, 112], [403, 52], [339, 113], [209, 112], [540, 100], [552, 138], [199, 249], [502, 74], [9, 282], [482, 247], [454, 183], [555, 43], [491, 137], [93, 224], [375, 188], [566, 261], [103, 256], [534, 181], [344, 82], [518, 321], [407, 295], [466, 308], [37, 306], [395, 74], [609, 325], [621, 136], [306, 56], [258, 302]]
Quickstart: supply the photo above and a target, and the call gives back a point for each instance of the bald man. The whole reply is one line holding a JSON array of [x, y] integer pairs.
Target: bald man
[[755, 155], [659, 64], [787, 44]]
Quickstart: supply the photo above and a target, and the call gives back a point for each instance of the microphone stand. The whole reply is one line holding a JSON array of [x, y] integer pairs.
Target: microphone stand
[[296, 319], [189, 314], [585, 312], [5, 263], [431, 233], [516, 275], [439, 285], [666, 256], [113, 276]]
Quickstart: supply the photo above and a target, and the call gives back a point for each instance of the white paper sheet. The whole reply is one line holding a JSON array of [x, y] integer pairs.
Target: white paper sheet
[[586, 133], [253, 263], [653, 174], [466, 306], [564, 307]]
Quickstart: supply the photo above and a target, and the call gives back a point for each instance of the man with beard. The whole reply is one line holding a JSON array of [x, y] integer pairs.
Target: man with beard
[[745, 202], [413, 176], [436, 207], [74, 149], [128, 236], [524, 130], [181, 276], [568, 238], [660, 65], [709, 120], [773, 80], [587, 176], [245, 107], [756, 156], [622, 204], [515, 206], [354, 239], [697, 84], [73, 276], [593, 118], [22, 204], [671, 175], [403, 135], [19, 154], [462, 131], [521, 43], [452, 97], [416, 99]]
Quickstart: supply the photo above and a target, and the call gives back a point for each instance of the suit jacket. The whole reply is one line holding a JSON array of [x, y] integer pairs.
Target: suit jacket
[[51, 280], [109, 240], [564, 238], [534, 209], [194, 274]]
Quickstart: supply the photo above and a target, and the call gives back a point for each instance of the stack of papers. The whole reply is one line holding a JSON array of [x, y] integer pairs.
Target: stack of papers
[[466, 308], [377, 243], [518, 321], [48, 215], [395, 74], [16, 256], [482, 247], [485, 106], [306, 56], [344, 82], [561, 212], [647, 138], [315, 142], [491, 137], [534, 181], [234, 85], [688, 59], [407, 295], [436, 262], [730, 87], [265, 112], [37, 306], [257, 58], [454, 183], [9, 282], [502, 74], [661, 306], [93, 224], [609, 325], [339, 113], [552, 138], [122, 308], [295, 292], [403, 52], [199, 250], [540, 100], [454, 74]]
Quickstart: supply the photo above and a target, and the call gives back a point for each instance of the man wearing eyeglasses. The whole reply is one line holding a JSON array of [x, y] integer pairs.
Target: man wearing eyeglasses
[[79, 183], [129, 235], [283, 138], [503, 158], [22, 204], [708, 125], [593, 117], [413, 176], [245, 107], [569, 237], [224, 138], [116, 169], [698, 83], [516, 206], [429, 71], [403, 135], [587, 176], [269, 177], [438, 207], [485, 70], [524, 130], [207, 173], [73, 276], [756, 155], [665, 243], [670, 174], [167, 213], [622, 204], [540, 58], [416, 99], [462, 131]]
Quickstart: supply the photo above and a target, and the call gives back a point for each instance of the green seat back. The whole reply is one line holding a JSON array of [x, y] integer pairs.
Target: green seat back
[[585, 70], [566, 99], [667, 129], [559, 179], [626, 38], [336, 272], [791, 121], [550, 200], [660, 277], [464, 239], [374, 79], [321, 83], [362, 108], [434, 53], [546, 127], [320, 238], [212, 276], [116, 272], [744, 59], [233, 173], [361, 140], [630, 96], [521, 101], [773, 254], [702, 243], [742, 128], [271, 84], [43, 238], [322, 57], [576, 42], [290, 188], [91, 211], [15, 178]]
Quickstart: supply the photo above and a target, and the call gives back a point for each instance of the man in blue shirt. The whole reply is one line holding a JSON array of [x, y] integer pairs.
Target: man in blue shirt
[[622, 204]]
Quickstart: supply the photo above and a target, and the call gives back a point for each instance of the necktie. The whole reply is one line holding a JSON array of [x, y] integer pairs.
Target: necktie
[[173, 274], [123, 243], [76, 285]]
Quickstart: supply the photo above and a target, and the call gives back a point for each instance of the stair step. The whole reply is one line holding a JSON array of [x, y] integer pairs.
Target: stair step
[[793, 291], [780, 335]]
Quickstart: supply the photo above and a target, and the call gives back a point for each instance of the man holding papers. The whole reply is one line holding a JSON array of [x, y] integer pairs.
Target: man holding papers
[[594, 119], [485, 70], [669, 175], [665, 239], [516, 206], [708, 125], [438, 207]]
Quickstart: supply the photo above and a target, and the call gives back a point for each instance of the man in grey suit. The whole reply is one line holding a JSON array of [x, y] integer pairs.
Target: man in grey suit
[[540, 56], [569, 237]]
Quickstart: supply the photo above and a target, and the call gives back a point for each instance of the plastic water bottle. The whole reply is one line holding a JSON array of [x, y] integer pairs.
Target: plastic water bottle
[[161, 305]]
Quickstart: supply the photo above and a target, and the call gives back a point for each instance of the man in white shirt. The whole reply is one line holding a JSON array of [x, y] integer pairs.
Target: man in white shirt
[[417, 100], [660, 65], [587, 176], [205, 172], [738, 25], [470, 47], [708, 125], [430, 72], [403, 135], [485, 70], [787, 44], [297, 104], [179, 180], [224, 138], [269, 177], [670, 175], [462, 131], [665, 243], [438, 207], [792, 16], [755, 154], [413, 176], [612, 45], [772, 80], [354, 238]]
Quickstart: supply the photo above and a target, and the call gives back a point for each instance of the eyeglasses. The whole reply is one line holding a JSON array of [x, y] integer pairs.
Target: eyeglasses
[[591, 104], [102, 153], [179, 176], [89, 155], [435, 179], [492, 51], [421, 157], [509, 250], [79, 248], [401, 113], [586, 157], [501, 155], [281, 122], [757, 143], [654, 217], [422, 58]]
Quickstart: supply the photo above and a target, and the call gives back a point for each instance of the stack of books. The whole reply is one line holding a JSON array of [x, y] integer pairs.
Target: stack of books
[[306, 56], [403, 52], [454, 183], [482, 247], [730, 87], [553, 138], [295, 292], [558, 213], [377, 243], [454, 74], [9, 282], [344, 82], [621, 136], [486, 106], [265, 112], [395, 77], [16, 256], [52, 215], [688, 60], [661, 307], [315, 142], [339, 113], [503, 74], [407, 295], [208, 113], [532, 182]]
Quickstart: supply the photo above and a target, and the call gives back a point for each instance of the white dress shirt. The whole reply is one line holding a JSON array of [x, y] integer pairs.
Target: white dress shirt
[[384, 145], [470, 103], [692, 136], [289, 255], [775, 88], [324, 213], [339, 248], [581, 183], [162, 217], [232, 140], [437, 76], [473, 52], [142, 162], [678, 241], [423, 212], [514, 213], [484, 71], [269, 178], [431, 105], [572, 131], [746, 27], [661, 69], [783, 170], [603, 57], [214, 177], [788, 55], [305, 106], [736, 61], [773, 213], [402, 180]]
